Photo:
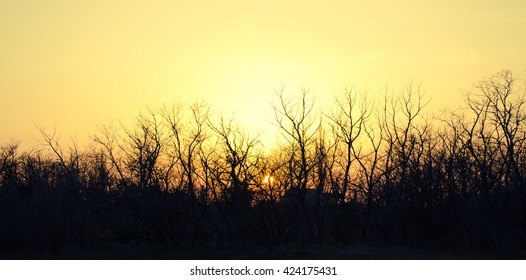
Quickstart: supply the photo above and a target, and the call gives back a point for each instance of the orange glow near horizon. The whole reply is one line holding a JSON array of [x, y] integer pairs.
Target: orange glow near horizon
[[82, 64]]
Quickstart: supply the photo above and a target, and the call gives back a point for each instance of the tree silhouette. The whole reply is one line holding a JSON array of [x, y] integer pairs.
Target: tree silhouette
[[367, 173]]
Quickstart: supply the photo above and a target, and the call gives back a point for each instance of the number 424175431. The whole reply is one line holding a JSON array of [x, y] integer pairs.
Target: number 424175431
[[309, 270]]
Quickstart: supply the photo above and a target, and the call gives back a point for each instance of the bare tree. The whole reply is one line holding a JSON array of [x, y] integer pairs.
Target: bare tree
[[297, 125], [240, 157], [135, 152], [507, 116], [187, 138], [347, 123], [369, 168], [109, 141], [145, 143]]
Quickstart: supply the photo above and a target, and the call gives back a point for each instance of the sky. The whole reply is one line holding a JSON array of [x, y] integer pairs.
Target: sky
[[77, 65]]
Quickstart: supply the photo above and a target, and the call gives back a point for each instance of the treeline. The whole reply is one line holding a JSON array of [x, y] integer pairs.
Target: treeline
[[367, 171]]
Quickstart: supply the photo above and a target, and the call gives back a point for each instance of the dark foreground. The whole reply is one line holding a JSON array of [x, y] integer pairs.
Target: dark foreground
[[358, 252]]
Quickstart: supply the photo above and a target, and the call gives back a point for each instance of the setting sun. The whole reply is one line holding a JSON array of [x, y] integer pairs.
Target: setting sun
[[268, 179], [262, 129]]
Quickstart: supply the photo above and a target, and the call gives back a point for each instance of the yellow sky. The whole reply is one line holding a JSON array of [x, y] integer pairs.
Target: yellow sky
[[80, 64]]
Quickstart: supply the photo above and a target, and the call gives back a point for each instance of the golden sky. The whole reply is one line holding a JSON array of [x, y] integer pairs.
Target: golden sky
[[81, 64]]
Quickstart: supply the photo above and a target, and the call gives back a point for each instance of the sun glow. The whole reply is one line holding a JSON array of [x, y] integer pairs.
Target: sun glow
[[81, 64], [268, 179]]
